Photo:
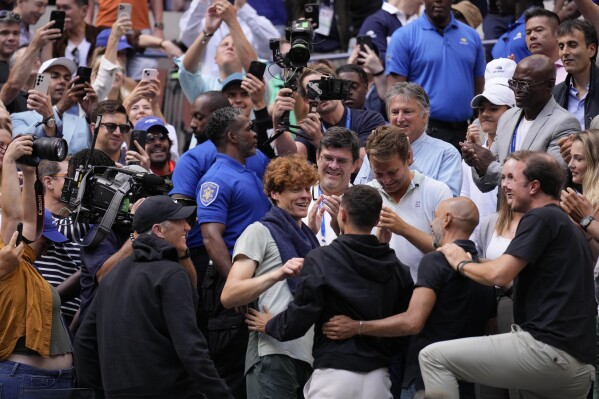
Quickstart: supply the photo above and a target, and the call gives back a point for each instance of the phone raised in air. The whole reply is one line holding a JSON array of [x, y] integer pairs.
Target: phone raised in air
[[58, 17], [149, 73], [85, 74], [20, 234], [42, 82], [257, 69], [363, 40], [139, 136]]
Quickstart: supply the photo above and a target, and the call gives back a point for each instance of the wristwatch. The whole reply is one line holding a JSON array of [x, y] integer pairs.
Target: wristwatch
[[586, 221], [49, 121], [186, 256], [159, 25]]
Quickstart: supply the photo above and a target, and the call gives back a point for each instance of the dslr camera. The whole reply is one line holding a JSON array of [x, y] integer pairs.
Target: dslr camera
[[50, 148]]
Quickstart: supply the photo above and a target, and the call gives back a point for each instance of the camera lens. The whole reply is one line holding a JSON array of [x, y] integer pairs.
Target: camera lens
[[50, 148]]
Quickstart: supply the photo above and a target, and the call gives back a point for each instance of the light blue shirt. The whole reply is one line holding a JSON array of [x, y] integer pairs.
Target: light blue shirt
[[74, 129], [194, 84], [576, 105], [434, 158]]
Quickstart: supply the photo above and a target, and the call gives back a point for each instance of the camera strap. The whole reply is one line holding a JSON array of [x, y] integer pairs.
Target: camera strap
[[94, 237]]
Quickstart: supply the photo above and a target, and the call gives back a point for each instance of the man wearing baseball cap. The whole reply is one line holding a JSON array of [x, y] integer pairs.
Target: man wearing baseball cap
[[145, 309], [47, 116], [158, 146]]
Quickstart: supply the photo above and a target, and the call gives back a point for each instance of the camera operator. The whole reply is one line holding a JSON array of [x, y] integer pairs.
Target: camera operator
[[328, 114], [48, 116], [34, 344]]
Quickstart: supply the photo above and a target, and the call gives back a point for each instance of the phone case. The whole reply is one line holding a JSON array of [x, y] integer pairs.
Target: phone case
[[124, 8], [42, 82], [149, 74]]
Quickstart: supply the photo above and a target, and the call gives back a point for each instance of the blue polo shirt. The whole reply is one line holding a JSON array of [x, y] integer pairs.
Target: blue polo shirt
[[380, 26], [444, 65], [231, 194], [512, 42], [193, 165]]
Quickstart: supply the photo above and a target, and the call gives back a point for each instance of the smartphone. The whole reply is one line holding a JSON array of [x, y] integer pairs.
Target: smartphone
[[257, 69], [149, 73], [20, 234], [42, 82], [84, 74], [364, 40], [140, 137], [124, 9], [311, 12], [58, 18]]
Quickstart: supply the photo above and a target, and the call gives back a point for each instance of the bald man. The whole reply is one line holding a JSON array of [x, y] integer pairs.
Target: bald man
[[444, 304], [536, 123]]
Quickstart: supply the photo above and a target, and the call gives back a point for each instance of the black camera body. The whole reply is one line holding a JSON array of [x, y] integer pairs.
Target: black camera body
[[328, 89], [97, 191], [50, 148], [299, 34]]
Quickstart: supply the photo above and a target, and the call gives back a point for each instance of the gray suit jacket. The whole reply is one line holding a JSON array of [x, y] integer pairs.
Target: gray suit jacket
[[552, 123]]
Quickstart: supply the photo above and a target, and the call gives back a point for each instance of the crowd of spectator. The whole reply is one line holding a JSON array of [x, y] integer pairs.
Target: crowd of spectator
[[432, 232]]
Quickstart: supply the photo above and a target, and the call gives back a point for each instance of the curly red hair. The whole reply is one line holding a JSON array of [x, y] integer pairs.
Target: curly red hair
[[289, 171]]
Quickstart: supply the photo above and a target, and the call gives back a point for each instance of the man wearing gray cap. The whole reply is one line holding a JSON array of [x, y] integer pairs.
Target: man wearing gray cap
[[145, 310]]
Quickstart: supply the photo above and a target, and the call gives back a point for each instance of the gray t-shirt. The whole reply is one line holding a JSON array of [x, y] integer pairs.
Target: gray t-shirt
[[257, 243]]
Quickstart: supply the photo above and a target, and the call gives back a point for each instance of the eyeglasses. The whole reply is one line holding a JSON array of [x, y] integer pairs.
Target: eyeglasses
[[111, 127], [522, 85], [160, 136], [9, 15], [340, 161]]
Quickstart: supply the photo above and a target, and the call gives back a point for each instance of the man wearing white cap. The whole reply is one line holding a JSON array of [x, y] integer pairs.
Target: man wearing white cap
[[47, 117], [491, 104], [536, 123]]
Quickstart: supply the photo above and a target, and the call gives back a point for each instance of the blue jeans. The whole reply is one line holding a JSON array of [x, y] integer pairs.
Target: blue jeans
[[18, 380]]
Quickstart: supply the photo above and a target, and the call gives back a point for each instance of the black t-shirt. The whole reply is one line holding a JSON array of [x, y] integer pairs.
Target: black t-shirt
[[462, 308], [361, 121], [553, 295], [19, 104], [4, 71]]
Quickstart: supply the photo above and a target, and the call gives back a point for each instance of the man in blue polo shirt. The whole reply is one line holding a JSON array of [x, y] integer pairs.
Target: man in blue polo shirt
[[446, 58], [230, 197], [513, 42]]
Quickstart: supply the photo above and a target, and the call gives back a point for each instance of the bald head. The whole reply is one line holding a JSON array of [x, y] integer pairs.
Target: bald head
[[540, 65], [464, 213]]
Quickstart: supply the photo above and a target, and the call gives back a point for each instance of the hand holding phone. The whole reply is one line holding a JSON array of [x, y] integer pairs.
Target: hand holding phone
[[84, 74], [58, 17], [42, 82], [141, 137], [257, 69], [20, 234], [149, 73]]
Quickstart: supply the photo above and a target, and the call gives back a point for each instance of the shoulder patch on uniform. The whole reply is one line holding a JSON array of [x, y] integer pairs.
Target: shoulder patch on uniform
[[209, 192]]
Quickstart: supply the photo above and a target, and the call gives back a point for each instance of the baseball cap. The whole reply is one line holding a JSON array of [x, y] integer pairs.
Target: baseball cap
[[499, 71], [62, 61], [148, 122], [470, 12], [102, 41], [498, 94], [50, 230], [158, 209], [234, 78]]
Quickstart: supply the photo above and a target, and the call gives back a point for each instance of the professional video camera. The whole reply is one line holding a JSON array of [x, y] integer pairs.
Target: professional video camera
[[103, 195], [328, 88], [50, 148]]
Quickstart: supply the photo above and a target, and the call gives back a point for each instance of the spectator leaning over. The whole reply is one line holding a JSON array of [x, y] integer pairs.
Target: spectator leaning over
[[393, 15], [337, 158], [578, 94], [328, 114], [267, 259], [541, 37], [444, 305], [24, 65], [152, 295], [537, 122], [408, 108], [443, 56], [234, 52], [367, 282], [551, 350], [256, 29], [48, 117], [491, 104], [79, 39], [230, 197], [9, 31], [35, 345], [30, 12], [513, 42]]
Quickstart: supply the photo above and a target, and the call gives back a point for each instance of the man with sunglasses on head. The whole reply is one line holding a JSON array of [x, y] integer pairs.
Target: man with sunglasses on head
[[47, 116], [536, 123], [158, 146]]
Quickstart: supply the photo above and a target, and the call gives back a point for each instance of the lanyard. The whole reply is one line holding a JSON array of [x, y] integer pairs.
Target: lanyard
[[347, 121], [513, 144], [323, 225]]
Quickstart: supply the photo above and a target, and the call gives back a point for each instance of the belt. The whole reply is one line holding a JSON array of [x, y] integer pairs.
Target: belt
[[448, 125]]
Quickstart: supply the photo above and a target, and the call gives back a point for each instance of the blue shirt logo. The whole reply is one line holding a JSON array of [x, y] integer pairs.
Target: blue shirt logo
[[209, 193]]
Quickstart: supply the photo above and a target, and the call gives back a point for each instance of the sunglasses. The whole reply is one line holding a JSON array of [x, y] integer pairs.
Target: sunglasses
[[160, 136], [111, 127], [9, 15]]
